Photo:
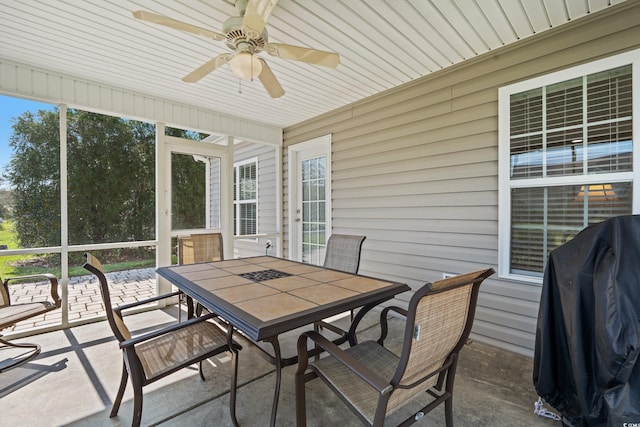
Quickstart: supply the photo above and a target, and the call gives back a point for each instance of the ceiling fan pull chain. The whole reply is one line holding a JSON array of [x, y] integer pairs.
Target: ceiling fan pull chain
[[240, 86], [252, 66]]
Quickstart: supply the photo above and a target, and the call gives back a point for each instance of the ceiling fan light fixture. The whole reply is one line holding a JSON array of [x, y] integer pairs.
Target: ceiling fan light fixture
[[246, 65]]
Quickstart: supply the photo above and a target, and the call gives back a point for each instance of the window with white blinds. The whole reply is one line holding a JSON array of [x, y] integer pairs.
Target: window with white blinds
[[245, 198], [567, 159]]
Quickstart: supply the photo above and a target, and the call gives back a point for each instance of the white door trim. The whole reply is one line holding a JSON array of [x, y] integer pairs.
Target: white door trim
[[311, 148], [184, 146]]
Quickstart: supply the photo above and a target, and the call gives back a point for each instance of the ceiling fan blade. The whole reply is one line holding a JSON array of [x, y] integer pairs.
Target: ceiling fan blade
[[178, 25], [297, 53], [207, 67], [257, 14], [269, 81]]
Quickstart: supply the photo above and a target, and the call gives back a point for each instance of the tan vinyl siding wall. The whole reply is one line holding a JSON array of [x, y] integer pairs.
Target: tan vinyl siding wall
[[415, 169]]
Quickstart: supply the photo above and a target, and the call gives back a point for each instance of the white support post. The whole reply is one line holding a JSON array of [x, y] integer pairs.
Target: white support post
[[163, 207], [279, 205], [64, 222], [226, 201]]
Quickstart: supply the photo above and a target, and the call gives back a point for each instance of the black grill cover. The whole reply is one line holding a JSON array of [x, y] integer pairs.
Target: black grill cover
[[586, 361]]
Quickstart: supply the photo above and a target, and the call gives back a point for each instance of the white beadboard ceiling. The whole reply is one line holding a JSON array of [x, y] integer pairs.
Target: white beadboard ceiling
[[381, 43]]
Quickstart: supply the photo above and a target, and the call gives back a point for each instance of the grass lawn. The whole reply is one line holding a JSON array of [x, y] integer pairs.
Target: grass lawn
[[18, 265], [6, 262]]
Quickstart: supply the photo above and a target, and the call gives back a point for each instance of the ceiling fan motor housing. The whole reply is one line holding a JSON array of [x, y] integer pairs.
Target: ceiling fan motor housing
[[240, 38]]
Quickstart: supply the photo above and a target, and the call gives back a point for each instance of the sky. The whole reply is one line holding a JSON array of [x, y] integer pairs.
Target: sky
[[11, 107]]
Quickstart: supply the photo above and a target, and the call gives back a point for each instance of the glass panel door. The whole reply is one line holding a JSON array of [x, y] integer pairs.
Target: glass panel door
[[310, 199], [313, 209], [195, 192], [196, 188]]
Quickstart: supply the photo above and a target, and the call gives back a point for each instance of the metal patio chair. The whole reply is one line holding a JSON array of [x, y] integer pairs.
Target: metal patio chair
[[12, 313], [156, 354], [197, 248], [373, 381], [200, 248], [343, 252]]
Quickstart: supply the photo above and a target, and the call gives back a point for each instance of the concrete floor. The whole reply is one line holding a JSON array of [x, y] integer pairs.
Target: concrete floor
[[74, 381]]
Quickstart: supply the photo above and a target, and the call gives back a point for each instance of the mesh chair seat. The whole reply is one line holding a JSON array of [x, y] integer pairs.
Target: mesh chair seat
[[360, 394], [15, 313], [168, 352], [352, 388]]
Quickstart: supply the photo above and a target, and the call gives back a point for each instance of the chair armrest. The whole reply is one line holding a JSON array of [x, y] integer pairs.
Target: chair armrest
[[381, 385], [53, 280], [333, 328], [399, 310], [353, 329], [154, 334], [120, 308], [384, 327]]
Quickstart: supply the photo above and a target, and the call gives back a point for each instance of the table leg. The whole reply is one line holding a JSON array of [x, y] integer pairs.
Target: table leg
[[278, 364], [234, 378], [189, 307]]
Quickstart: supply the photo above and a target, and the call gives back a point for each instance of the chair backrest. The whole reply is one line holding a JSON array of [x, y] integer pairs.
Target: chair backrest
[[343, 252], [439, 320], [118, 327], [200, 248]]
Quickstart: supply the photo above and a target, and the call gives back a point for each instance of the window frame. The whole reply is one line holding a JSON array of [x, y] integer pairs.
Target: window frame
[[237, 203], [505, 183]]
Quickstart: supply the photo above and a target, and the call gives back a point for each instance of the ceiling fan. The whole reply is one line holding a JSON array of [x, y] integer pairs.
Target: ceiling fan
[[246, 36]]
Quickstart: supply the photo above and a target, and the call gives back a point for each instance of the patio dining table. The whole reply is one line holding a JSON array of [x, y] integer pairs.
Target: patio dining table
[[263, 297]]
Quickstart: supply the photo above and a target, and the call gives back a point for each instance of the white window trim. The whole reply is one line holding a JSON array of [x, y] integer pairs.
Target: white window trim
[[236, 203], [504, 182]]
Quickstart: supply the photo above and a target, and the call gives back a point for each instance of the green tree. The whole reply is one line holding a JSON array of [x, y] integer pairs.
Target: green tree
[[34, 174], [187, 186], [188, 190], [5, 203], [110, 179]]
